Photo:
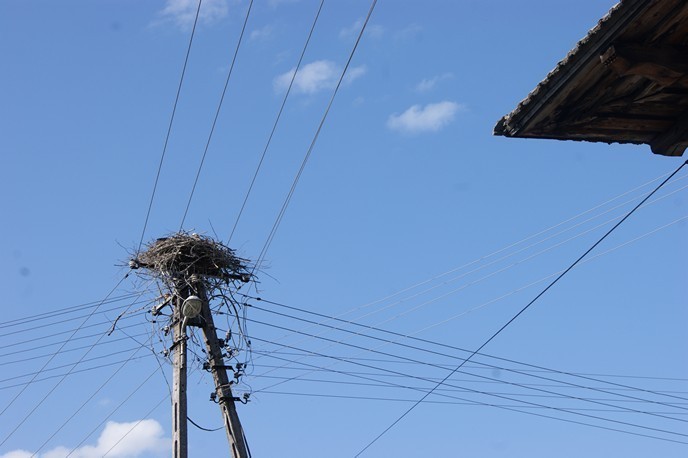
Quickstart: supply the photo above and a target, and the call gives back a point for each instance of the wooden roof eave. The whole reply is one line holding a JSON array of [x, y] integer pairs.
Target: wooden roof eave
[[587, 52]]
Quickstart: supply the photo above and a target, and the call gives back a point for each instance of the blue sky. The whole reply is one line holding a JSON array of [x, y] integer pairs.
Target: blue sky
[[409, 216]]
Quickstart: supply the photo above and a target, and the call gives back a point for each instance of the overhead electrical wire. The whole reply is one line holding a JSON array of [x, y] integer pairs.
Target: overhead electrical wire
[[277, 119], [378, 398], [543, 279], [404, 299], [503, 269], [32, 327], [42, 348], [486, 367], [492, 274], [89, 399], [47, 344], [59, 382], [78, 371], [501, 250], [169, 127], [526, 307], [500, 297], [402, 375], [327, 381], [131, 357], [62, 366], [378, 371], [587, 377], [54, 354], [426, 350], [64, 310], [285, 204], [505, 382], [428, 392], [130, 429], [217, 115], [112, 412]]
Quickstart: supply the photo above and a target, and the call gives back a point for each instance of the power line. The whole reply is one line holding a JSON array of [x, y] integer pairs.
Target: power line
[[503, 269], [32, 327], [482, 305], [78, 371], [412, 347], [404, 299], [558, 409], [169, 127], [132, 393], [48, 344], [64, 310], [277, 119], [42, 347], [202, 428], [378, 371], [485, 377], [501, 250], [217, 115], [589, 259], [380, 398], [282, 211], [435, 379], [476, 366], [555, 281], [83, 404], [131, 357], [43, 399], [96, 358], [57, 351]]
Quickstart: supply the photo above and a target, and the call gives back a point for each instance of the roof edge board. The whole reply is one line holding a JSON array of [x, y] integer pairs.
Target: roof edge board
[[598, 39]]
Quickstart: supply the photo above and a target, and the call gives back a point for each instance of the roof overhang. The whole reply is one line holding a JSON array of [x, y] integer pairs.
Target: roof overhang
[[625, 82]]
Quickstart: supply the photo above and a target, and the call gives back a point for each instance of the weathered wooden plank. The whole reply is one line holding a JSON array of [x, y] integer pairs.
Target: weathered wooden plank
[[672, 142], [665, 65]]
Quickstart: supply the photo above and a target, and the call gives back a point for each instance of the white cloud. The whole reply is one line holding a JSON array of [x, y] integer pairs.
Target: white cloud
[[430, 118], [261, 34], [277, 3], [354, 73], [353, 30], [411, 32], [428, 84], [17, 454], [372, 30], [136, 439], [183, 12], [316, 76]]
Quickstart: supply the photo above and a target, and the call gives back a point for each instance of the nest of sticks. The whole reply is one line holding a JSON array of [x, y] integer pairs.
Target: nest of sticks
[[183, 255]]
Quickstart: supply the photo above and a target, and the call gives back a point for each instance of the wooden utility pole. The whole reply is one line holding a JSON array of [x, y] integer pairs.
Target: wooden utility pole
[[191, 266], [235, 433], [179, 424]]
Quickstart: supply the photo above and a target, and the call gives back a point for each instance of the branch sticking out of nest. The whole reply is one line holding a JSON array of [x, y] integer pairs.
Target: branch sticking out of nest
[[183, 255]]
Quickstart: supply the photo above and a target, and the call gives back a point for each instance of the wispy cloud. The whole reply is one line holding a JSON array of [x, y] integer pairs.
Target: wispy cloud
[[353, 73], [427, 84], [262, 33], [182, 12], [418, 119], [17, 454], [316, 76], [136, 439], [277, 3], [410, 32], [372, 30]]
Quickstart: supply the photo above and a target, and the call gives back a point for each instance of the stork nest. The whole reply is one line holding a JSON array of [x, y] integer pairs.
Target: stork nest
[[183, 255]]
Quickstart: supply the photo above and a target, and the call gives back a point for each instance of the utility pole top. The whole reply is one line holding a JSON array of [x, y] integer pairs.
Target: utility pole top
[[194, 269]]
